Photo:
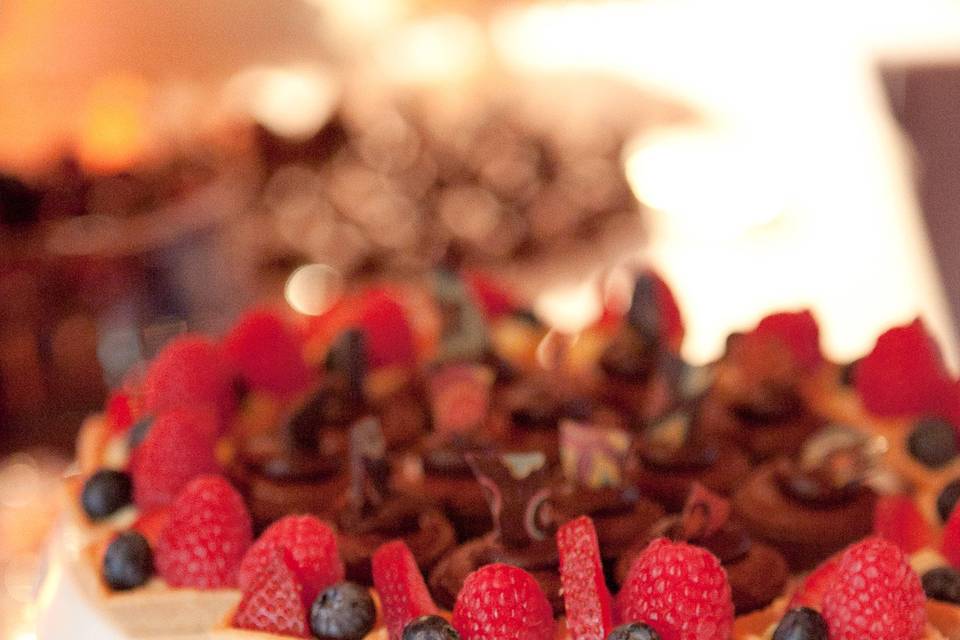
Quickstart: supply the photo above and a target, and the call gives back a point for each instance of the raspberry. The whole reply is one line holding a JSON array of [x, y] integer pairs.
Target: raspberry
[[492, 299], [904, 375], [587, 601], [190, 371], [680, 590], [951, 539], [206, 536], [502, 602], [810, 592], [898, 519], [798, 331], [875, 595], [120, 412], [314, 554], [403, 593], [274, 602], [389, 337], [178, 448], [267, 354], [150, 524]]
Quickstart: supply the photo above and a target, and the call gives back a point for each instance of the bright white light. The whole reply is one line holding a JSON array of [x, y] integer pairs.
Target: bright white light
[[705, 182], [444, 47], [293, 102], [569, 308], [313, 288]]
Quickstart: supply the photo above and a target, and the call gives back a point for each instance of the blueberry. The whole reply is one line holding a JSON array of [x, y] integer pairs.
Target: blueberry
[[344, 611], [105, 492], [128, 562], [948, 499], [801, 624], [942, 583], [634, 631], [138, 432], [933, 442], [429, 628]]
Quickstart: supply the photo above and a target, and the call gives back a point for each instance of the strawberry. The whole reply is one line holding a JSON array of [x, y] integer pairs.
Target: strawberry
[[190, 371], [403, 593], [178, 447], [389, 337], [274, 601], [951, 539], [313, 553], [904, 375], [502, 602], [680, 590], [267, 354], [798, 332], [120, 412], [898, 519], [811, 590], [150, 524], [587, 601], [206, 536], [875, 594]]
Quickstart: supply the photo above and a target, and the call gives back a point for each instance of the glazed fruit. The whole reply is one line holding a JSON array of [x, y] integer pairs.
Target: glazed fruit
[[274, 602], [344, 611], [587, 602], [942, 583], [502, 602], [678, 589], [403, 592], [128, 562], [875, 594], [106, 492], [313, 550], [178, 448], [206, 536], [430, 628], [634, 631], [933, 442], [801, 624]]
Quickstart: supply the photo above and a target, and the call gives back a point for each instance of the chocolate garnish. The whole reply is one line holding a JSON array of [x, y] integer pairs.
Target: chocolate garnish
[[460, 397], [705, 521], [630, 356], [329, 405], [463, 332], [644, 312], [369, 470], [833, 465], [347, 359], [766, 403], [593, 456], [518, 492], [675, 443]]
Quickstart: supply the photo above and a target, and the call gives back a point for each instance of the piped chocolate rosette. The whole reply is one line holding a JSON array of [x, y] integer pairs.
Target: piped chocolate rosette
[[519, 494], [814, 504], [372, 512]]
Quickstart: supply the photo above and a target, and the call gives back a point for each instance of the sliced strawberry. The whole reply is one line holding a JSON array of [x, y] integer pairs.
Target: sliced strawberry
[[274, 602], [120, 412], [403, 592], [587, 600]]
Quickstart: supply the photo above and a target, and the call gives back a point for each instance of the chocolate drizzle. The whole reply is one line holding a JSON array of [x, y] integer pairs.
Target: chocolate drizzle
[[518, 491]]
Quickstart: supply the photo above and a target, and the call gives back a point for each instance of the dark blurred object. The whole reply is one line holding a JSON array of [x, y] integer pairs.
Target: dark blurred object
[[19, 204], [924, 100]]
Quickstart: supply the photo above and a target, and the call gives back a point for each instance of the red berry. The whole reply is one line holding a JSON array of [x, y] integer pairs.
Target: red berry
[[313, 549], [206, 536], [493, 299], [178, 448], [680, 590], [190, 371], [120, 412], [798, 331], [267, 353], [898, 519], [389, 337], [811, 590], [587, 601], [502, 602], [150, 524], [904, 375], [876, 595], [274, 601], [951, 539], [403, 593]]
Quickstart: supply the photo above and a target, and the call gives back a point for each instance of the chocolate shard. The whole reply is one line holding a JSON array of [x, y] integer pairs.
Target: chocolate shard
[[518, 491], [369, 469], [463, 335], [644, 312], [347, 359], [593, 456]]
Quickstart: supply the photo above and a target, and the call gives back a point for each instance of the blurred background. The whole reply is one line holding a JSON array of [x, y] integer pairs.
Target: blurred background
[[163, 165]]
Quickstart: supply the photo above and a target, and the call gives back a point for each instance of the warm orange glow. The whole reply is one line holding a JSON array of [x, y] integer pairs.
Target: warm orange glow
[[113, 128]]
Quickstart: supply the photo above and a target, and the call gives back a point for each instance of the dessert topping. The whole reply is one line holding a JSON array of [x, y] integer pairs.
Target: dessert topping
[[105, 493], [593, 456], [460, 397], [587, 602], [502, 602], [942, 583], [634, 631], [344, 611], [801, 624], [128, 562], [400, 585], [430, 628], [933, 442], [274, 602]]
